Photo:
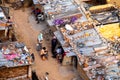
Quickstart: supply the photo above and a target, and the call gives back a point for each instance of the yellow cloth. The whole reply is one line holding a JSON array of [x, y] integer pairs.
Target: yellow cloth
[[110, 31], [101, 7]]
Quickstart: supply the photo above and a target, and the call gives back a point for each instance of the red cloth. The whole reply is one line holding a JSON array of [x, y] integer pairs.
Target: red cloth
[[38, 10], [64, 54]]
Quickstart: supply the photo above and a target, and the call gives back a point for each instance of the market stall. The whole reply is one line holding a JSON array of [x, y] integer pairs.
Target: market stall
[[15, 61], [70, 53], [6, 29], [104, 14], [97, 47], [94, 52], [64, 35], [62, 12]]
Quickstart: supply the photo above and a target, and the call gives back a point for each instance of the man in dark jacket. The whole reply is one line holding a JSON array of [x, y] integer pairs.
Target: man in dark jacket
[[53, 45]]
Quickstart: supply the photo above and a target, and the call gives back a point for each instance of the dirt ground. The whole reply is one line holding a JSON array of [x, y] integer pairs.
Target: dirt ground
[[27, 34]]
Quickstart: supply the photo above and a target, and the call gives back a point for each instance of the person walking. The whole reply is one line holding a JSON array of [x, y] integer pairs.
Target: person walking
[[53, 46], [39, 41], [40, 38]]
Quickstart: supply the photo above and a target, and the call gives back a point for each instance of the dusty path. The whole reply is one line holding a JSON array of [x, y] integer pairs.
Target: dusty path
[[25, 33]]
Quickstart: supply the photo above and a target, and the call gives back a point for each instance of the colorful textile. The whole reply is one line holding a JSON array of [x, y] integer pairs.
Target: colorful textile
[[10, 56]]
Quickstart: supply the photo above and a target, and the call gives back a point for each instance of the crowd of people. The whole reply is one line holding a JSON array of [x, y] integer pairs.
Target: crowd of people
[[57, 51]]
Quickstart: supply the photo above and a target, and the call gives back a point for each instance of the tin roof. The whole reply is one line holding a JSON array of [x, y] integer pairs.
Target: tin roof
[[14, 54]]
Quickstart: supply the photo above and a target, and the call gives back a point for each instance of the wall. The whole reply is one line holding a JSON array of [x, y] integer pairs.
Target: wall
[[81, 72], [13, 72]]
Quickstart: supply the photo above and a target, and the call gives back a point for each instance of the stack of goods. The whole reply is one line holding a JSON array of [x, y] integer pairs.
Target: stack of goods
[[67, 19], [110, 31], [101, 8], [77, 27], [104, 14], [105, 17], [115, 47], [103, 63], [14, 54]]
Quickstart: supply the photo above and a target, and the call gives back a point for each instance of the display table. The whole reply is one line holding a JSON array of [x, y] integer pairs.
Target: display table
[[94, 55], [104, 14], [64, 11], [97, 54], [15, 61], [62, 42]]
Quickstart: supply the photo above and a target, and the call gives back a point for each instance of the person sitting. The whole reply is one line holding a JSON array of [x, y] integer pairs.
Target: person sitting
[[39, 42], [36, 11], [40, 17], [44, 53]]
